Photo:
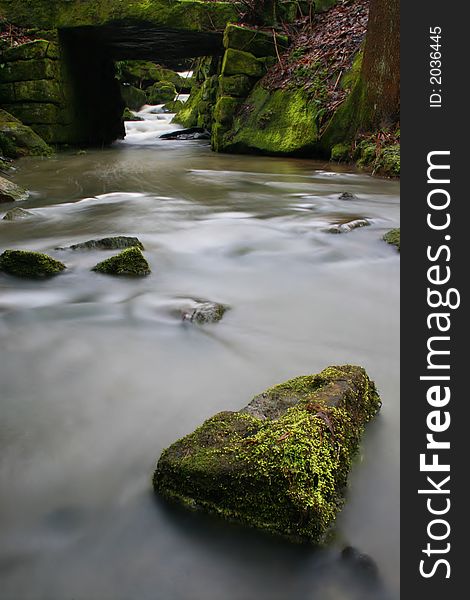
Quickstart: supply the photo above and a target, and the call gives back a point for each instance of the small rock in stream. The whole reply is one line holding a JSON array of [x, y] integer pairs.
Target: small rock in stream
[[393, 237], [205, 312], [18, 214], [347, 227], [31, 265], [108, 243], [130, 262], [360, 562], [193, 133], [347, 196]]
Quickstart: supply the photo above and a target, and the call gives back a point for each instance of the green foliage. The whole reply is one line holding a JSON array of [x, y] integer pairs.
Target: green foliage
[[393, 237]]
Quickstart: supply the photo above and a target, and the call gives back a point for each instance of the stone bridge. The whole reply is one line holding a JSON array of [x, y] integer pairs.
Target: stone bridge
[[65, 87]]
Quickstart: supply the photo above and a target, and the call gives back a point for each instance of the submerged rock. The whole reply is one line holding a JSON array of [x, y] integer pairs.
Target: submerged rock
[[128, 262], [205, 312], [10, 192], [350, 226], [192, 133], [109, 243], [347, 196], [17, 214], [393, 237], [23, 263], [360, 562], [281, 463]]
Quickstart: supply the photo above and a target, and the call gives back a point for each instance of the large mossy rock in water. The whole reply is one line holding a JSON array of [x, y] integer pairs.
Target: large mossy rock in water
[[32, 265], [130, 262], [161, 92], [281, 463], [133, 97]]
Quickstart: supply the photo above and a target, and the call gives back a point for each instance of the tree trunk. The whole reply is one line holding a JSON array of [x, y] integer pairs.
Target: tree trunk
[[380, 72]]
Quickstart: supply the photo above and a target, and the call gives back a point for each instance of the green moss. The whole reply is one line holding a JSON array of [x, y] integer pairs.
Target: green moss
[[187, 116], [9, 191], [128, 115], [25, 70], [255, 41], [235, 85], [174, 106], [282, 463], [23, 263], [393, 237], [43, 90], [18, 140], [129, 262], [178, 14], [110, 243], [341, 152], [31, 50], [161, 92], [274, 122], [225, 109], [381, 160], [37, 112], [133, 97], [237, 62]]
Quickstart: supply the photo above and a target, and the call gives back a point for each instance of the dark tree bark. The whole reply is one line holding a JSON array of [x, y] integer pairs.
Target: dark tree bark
[[380, 73]]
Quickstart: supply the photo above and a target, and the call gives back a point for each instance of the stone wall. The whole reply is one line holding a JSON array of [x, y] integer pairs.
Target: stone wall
[[34, 89]]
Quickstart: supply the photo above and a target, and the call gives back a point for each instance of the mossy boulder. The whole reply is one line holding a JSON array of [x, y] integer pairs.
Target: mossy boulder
[[235, 85], [128, 115], [280, 122], [43, 113], [129, 262], [161, 92], [26, 70], [393, 237], [238, 62], [18, 140], [109, 243], [31, 265], [133, 97], [17, 214], [257, 42], [174, 106], [10, 192], [280, 464]]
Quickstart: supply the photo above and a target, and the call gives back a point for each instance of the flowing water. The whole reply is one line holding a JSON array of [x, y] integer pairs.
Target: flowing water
[[99, 374]]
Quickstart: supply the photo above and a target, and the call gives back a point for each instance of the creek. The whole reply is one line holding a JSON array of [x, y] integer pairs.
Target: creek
[[99, 374]]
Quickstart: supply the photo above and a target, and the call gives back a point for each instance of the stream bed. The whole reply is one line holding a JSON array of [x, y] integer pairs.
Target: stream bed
[[99, 374]]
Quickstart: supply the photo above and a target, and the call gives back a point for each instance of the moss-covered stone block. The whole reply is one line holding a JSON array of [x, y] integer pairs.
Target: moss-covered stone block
[[37, 112], [43, 90], [280, 122], [7, 93], [225, 109], [55, 133], [161, 92], [259, 43], [130, 262], [237, 62], [235, 85], [32, 50], [25, 70], [31, 265], [393, 237], [280, 464]]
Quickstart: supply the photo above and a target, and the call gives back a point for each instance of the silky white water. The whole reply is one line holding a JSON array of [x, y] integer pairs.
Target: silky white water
[[99, 374]]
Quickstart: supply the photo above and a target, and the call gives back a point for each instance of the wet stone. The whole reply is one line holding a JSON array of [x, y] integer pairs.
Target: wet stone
[[108, 243], [205, 312]]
